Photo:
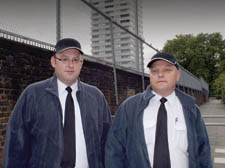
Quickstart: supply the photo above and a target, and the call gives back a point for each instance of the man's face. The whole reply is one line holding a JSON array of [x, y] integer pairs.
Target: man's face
[[67, 65], [163, 77]]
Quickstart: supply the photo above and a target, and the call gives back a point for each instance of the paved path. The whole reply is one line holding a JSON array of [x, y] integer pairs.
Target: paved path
[[216, 133]]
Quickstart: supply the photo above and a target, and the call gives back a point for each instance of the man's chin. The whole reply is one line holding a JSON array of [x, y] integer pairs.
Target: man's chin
[[70, 81]]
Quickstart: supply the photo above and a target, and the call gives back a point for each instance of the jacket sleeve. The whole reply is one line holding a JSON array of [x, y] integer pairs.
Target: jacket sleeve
[[16, 148], [115, 153], [204, 151]]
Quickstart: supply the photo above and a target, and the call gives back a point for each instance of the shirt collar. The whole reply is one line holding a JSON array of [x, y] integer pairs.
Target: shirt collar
[[62, 87], [170, 98], [156, 98]]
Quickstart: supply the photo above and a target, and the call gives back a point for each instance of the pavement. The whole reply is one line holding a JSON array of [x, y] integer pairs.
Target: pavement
[[216, 129]]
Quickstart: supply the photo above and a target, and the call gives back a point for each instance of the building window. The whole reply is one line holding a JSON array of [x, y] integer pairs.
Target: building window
[[109, 58], [95, 53], [125, 21], [108, 1], [95, 19], [108, 52], [95, 14], [124, 15], [125, 62], [109, 12], [124, 10], [123, 4], [96, 42], [95, 36], [125, 39], [124, 45], [95, 25], [104, 24], [95, 31], [125, 56], [122, 33], [125, 50], [109, 6], [108, 46], [96, 48], [95, 3]]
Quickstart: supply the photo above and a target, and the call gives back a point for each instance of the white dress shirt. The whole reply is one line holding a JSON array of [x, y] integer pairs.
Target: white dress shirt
[[177, 131], [81, 152]]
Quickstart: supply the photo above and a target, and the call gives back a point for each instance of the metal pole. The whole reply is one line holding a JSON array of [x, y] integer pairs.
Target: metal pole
[[137, 41], [58, 20], [142, 68], [114, 63]]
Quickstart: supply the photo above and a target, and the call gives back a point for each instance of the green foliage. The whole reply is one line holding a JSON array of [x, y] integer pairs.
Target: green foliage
[[219, 86], [203, 55], [223, 95]]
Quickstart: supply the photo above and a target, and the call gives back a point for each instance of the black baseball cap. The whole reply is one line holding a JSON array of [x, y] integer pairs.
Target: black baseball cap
[[67, 43], [164, 56]]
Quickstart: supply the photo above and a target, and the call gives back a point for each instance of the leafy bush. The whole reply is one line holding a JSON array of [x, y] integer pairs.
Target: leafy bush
[[219, 86], [223, 92]]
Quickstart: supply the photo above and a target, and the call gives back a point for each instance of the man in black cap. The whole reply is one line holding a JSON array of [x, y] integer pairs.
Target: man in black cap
[[60, 122], [161, 127]]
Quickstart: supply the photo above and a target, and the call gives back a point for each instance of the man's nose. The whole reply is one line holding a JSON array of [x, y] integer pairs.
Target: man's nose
[[160, 74], [70, 63]]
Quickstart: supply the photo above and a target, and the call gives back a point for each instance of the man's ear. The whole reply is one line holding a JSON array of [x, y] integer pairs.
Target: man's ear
[[52, 61], [178, 75]]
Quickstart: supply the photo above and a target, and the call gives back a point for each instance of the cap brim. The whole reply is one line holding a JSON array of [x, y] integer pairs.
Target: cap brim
[[155, 59], [70, 48]]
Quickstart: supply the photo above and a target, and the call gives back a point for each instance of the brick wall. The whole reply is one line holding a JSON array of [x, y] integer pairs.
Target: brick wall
[[21, 65]]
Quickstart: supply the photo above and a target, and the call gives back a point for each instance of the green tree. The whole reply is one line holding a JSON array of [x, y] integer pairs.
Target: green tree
[[221, 60], [219, 86], [203, 55]]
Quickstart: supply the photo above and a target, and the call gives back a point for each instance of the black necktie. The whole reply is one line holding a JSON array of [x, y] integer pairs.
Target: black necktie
[[69, 155], [161, 152]]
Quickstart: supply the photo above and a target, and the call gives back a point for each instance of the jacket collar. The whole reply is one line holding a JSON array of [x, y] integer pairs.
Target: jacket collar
[[182, 96], [186, 100], [53, 86], [80, 87], [148, 94]]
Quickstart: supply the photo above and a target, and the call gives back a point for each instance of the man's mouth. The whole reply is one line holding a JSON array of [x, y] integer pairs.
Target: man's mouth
[[69, 71]]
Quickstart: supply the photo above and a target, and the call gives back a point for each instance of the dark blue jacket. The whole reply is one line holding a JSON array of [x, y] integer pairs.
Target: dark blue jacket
[[35, 131], [126, 146]]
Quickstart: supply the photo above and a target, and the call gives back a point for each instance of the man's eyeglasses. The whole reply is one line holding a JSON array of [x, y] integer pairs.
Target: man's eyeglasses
[[67, 60]]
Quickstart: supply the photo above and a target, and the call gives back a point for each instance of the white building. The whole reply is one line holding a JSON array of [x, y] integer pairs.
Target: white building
[[127, 49]]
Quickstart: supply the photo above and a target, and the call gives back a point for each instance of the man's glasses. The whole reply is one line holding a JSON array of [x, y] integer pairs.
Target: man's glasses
[[67, 60]]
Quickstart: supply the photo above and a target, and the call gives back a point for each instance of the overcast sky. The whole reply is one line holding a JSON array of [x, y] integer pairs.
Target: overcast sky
[[163, 19]]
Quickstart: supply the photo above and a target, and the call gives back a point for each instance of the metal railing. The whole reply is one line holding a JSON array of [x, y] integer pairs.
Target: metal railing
[[26, 40]]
